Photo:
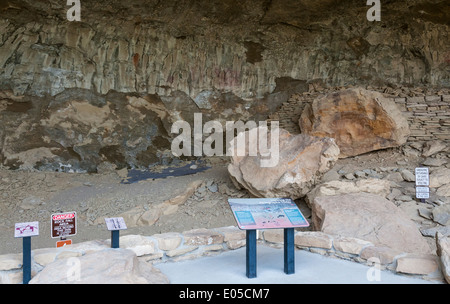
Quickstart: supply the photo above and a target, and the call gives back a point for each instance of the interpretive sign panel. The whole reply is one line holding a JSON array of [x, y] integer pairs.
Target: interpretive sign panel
[[422, 177], [266, 213], [64, 224], [26, 229]]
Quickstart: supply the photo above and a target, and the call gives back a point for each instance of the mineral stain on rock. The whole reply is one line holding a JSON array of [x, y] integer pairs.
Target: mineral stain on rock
[[13, 106], [360, 121], [254, 52]]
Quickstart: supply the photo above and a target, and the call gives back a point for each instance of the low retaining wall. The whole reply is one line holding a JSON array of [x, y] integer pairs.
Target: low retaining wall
[[196, 243]]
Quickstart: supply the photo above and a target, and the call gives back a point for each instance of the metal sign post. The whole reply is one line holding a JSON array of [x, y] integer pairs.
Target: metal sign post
[[250, 254], [289, 251], [114, 225], [26, 231]]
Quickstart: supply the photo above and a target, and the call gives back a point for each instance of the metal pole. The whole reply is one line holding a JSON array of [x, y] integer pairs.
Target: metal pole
[[289, 251], [115, 238], [26, 259], [250, 253]]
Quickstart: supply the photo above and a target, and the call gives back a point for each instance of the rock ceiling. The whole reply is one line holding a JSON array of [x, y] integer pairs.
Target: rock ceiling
[[141, 65]]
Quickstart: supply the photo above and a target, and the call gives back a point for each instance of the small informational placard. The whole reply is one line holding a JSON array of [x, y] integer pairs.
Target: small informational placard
[[266, 213], [26, 229], [64, 224], [422, 177], [422, 192], [115, 223]]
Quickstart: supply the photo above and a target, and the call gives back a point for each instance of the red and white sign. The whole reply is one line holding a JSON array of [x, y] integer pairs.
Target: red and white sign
[[63, 243], [63, 216], [64, 224]]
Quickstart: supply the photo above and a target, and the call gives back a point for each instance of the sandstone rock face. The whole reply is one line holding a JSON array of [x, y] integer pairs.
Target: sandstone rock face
[[369, 217], [155, 47], [109, 266], [123, 66], [359, 120], [302, 160]]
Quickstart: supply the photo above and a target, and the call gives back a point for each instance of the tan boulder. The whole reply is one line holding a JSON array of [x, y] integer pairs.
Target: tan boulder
[[302, 161], [443, 251], [439, 177], [368, 217], [359, 120], [108, 266], [417, 264]]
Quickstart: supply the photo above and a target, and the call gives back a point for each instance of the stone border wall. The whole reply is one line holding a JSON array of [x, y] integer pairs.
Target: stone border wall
[[196, 243], [428, 115]]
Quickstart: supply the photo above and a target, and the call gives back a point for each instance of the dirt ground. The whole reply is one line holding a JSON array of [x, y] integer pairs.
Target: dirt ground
[[34, 196]]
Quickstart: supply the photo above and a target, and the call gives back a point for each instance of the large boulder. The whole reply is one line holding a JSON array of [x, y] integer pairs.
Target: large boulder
[[302, 161], [369, 217], [439, 177], [443, 251], [108, 266], [359, 120]]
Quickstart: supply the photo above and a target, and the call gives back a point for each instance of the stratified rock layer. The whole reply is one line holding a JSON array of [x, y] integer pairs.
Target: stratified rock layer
[[231, 59]]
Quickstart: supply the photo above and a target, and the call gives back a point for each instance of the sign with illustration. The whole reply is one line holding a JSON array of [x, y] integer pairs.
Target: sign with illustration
[[266, 213], [26, 229]]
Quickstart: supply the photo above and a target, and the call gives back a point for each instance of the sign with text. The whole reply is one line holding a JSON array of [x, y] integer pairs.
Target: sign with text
[[26, 229], [422, 177], [422, 192], [115, 223], [64, 224], [266, 213]]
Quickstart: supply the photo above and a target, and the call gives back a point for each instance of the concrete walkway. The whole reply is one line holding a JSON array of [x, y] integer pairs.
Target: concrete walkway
[[310, 268]]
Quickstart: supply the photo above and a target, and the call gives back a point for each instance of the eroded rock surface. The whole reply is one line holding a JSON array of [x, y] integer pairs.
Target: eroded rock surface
[[359, 120]]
